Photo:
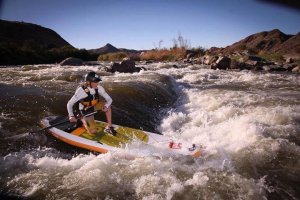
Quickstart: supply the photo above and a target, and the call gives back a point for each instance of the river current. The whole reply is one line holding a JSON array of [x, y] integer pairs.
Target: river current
[[247, 122]]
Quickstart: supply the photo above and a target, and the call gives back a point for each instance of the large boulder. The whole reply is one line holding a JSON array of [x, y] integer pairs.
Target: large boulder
[[126, 66], [223, 62], [71, 61], [208, 60], [289, 60]]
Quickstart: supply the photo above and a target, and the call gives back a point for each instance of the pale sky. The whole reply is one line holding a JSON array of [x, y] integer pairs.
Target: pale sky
[[142, 24]]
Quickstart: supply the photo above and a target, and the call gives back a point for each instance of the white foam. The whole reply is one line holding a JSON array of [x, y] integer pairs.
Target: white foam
[[199, 179], [111, 174], [52, 163], [208, 120], [225, 119]]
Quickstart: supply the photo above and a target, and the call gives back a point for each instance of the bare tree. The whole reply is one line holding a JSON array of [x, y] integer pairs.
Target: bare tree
[[175, 43], [160, 44], [154, 44], [180, 42]]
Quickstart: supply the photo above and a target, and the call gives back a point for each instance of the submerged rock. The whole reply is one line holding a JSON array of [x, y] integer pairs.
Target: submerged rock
[[296, 69]]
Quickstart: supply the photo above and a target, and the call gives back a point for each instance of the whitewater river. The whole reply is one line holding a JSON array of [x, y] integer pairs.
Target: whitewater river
[[248, 123]]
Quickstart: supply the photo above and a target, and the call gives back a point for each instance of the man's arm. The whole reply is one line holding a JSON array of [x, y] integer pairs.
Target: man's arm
[[79, 94]]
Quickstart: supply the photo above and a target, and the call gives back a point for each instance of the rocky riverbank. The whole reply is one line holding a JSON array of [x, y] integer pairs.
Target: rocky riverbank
[[245, 61], [236, 61]]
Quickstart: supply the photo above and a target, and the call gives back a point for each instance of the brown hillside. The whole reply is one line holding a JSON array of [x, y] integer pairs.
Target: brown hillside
[[290, 47], [267, 41]]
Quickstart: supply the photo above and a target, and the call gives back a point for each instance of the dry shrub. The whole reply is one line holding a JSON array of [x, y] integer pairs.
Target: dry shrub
[[173, 54], [118, 56]]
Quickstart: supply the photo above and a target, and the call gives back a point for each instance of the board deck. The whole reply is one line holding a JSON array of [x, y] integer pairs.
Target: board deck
[[124, 135]]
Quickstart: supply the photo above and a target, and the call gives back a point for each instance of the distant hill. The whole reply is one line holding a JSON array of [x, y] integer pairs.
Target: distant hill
[[273, 41], [21, 33], [108, 48], [26, 43]]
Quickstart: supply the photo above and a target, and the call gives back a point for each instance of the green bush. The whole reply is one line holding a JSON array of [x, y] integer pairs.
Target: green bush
[[199, 51], [271, 56]]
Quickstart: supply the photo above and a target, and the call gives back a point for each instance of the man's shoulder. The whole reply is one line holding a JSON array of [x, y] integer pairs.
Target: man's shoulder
[[100, 88]]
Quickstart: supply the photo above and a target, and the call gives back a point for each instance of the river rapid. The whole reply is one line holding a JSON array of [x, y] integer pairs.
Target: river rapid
[[247, 122]]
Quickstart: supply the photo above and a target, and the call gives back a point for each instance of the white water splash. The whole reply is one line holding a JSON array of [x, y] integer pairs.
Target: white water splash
[[245, 121]]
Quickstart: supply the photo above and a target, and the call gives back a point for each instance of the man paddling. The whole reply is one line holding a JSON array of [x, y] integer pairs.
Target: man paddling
[[86, 100]]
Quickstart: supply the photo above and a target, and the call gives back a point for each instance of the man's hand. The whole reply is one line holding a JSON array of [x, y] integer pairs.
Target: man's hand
[[72, 119]]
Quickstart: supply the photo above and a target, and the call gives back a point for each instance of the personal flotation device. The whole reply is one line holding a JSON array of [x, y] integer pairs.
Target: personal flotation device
[[91, 99]]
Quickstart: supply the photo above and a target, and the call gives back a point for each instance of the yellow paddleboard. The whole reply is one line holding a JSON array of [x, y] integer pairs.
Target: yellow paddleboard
[[104, 142]]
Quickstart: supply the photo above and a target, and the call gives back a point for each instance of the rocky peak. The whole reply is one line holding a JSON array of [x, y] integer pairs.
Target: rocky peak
[[108, 48]]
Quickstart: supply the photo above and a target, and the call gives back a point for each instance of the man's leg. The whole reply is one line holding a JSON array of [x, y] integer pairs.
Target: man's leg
[[108, 113], [90, 124], [108, 117], [109, 129]]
